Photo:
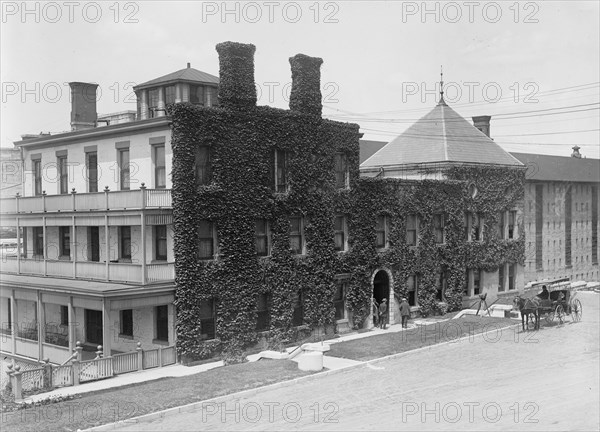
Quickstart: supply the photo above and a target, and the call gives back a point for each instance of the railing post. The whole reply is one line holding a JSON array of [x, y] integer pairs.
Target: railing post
[[159, 356], [17, 384], [106, 191], [144, 195], [47, 373], [75, 366], [140, 357], [78, 349], [9, 372], [99, 352], [73, 192]]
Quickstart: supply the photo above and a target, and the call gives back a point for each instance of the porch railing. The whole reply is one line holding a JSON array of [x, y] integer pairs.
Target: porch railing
[[76, 371], [93, 270], [105, 200]]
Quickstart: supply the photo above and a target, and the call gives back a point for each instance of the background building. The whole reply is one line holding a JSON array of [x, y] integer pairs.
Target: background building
[[93, 215]]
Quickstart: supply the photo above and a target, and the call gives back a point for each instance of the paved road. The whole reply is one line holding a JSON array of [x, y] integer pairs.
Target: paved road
[[547, 380]]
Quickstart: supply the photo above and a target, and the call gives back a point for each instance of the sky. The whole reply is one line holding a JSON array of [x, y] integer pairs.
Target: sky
[[534, 66]]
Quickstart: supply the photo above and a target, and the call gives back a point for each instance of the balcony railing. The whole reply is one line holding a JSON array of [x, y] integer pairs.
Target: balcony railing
[[92, 270], [99, 201]]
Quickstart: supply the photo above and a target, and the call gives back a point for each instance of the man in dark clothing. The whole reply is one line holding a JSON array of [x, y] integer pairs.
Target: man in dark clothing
[[404, 312], [544, 295], [383, 308]]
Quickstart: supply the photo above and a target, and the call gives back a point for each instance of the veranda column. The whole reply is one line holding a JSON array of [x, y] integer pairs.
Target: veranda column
[[106, 330], [15, 321], [72, 331], [41, 325]]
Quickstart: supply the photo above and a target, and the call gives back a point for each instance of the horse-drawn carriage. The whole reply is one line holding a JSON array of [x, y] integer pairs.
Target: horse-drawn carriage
[[556, 300]]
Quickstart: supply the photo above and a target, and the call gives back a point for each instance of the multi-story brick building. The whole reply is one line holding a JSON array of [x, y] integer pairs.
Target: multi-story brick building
[[93, 215], [561, 217], [278, 230]]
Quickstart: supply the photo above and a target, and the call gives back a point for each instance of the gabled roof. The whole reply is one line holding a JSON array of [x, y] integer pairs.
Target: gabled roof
[[559, 168], [441, 136], [188, 74], [368, 148]]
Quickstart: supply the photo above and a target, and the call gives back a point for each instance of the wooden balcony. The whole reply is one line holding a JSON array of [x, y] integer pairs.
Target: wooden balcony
[[90, 270], [141, 198]]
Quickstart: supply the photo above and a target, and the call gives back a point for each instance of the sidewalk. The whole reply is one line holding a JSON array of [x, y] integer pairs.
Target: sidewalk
[[178, 370]]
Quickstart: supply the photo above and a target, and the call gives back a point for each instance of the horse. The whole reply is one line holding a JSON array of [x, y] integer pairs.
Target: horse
[[528, 307]]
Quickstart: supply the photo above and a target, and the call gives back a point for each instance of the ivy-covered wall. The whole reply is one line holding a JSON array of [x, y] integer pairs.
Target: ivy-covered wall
[[242, 138]]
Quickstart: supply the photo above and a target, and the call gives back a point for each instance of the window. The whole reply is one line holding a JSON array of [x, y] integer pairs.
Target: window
[[63, 174], [38, 241], [381, 230], [197, 95], [501, 222], [263, 318], [125, 242], [261, 237], [64, 315], [207, 319], [298, 315], [279, 174], [338, 300], [512, 277], [476, 281], [297, 235], [126, 321], [203, 166], [64, 234], [160, 242], [153, 102], [438, 228], [340, 233], [162, 323], [211, 96], [206, 239], [441, 282], [169, 94], [94, 243], [512, 228], [412, 230], [92, 171], [501, 283], [37, 177], [342, 174], [124, 169], [160, 176], [413, 286], [9, 314], [474, 227]]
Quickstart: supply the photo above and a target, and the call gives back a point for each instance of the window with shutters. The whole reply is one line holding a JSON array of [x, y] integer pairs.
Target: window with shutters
[[381, 231], [262, 237], [340, 233], [412, 230], [342, 172], [203, 166], [207, 239], [297, 243]]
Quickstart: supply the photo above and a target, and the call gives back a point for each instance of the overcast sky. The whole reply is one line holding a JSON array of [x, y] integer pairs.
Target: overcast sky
[[533, 66]]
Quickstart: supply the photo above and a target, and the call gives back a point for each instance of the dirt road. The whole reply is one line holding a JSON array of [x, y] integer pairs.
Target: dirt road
[[500, 380]]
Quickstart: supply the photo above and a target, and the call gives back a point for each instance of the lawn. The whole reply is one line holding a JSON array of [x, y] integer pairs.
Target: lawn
[[93, 409], [392, 343]]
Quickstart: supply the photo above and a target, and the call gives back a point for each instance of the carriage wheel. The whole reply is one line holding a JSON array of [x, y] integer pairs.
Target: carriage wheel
[[550, 316], [576, 310], [560, 314]]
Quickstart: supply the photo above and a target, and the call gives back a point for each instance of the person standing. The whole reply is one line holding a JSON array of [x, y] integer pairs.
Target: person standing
[[404, 312], [383, 309], [375, 312]]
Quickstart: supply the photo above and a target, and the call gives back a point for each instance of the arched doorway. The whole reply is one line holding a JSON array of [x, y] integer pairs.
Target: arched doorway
[[381, 286]]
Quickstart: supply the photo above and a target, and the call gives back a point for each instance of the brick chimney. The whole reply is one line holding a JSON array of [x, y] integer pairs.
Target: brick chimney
[[83, 105], [482, 123], [576, 153], [237, 89], [305, 96]]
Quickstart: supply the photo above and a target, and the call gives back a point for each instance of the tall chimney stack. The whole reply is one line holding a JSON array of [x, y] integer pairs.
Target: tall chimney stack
[[305, 96], [237, 89], [483, 124], [83, 105], [576, 153]]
